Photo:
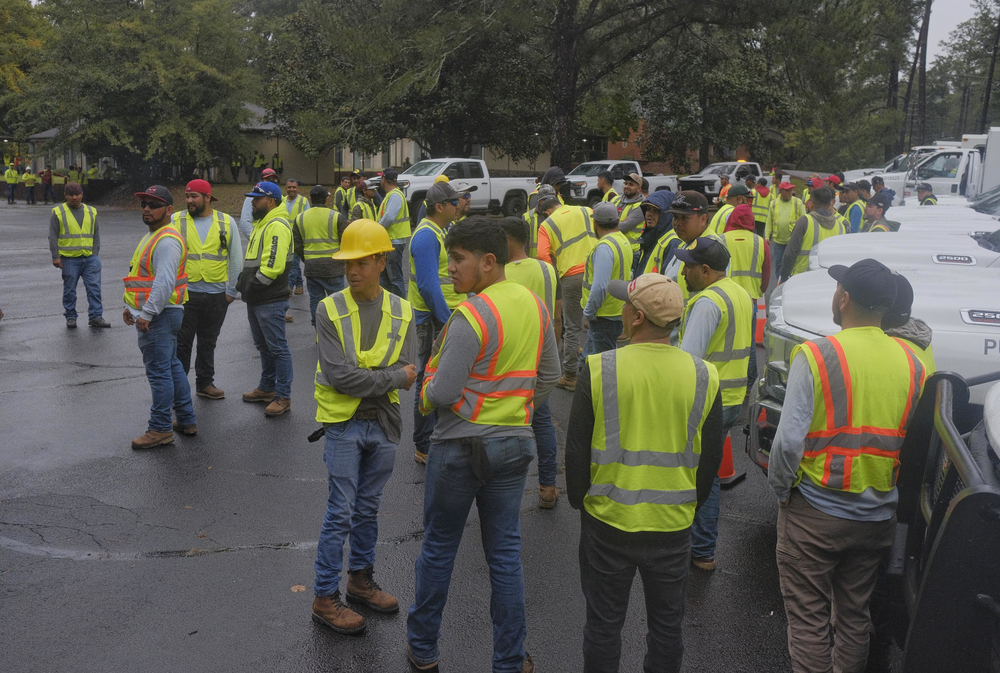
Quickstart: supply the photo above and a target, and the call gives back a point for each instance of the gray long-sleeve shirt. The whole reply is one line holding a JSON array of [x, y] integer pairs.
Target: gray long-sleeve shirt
[[604, 264], [635, 218], [166, 259], [786, 455], [701, 324], [54, 231], [371, 385], [458, 355], [246, 218]]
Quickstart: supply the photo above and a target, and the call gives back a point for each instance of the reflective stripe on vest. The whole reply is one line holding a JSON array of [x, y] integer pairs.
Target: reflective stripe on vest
[[928, 201], [746, 265], [139, 281], [624, 210], [537, 276], [531, 217], [400, 227], [620, 270], [573, 236], [253, 259], [731, 346], [866, 388], [718, 224], [319, 238], [681, 280], [814, 235], [655, 263], [332, 406], [610, 195], [451, 298], [510, 322], [209, 267], [75, 239], [861, 215], [759, 207], [367, 211], [298, 206], [644, 478]]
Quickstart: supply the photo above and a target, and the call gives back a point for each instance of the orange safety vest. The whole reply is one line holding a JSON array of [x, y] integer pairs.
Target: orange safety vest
[[139, 282]]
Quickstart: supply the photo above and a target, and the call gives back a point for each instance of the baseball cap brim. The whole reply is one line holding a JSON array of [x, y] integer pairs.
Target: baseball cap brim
[[618, 289], [147, 195], [837, 272], [685, 256]]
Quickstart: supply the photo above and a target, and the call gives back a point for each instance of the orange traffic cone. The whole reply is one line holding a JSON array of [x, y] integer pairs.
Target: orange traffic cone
[[761, 319], [727, 470]]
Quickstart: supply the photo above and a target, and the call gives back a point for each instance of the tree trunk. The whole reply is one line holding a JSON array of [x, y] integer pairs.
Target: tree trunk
[[989, 81], [703, 158], [922, 94], [906, 101], [565, 77], [892, 100]]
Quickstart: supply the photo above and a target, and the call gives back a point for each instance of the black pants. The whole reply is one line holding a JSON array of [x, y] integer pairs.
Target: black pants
[[609, 558], [204, 314]]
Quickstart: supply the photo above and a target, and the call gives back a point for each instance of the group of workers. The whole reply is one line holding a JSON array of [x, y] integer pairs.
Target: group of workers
[[492, 320], [27, 179], [255, 166]]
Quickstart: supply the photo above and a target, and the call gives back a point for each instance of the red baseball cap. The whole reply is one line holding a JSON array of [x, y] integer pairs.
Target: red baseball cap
[[816, 183], [833, 178], [786, 185], [200, 186], [267, 172]]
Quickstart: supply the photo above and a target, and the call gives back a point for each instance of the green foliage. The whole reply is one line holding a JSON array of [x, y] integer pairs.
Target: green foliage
[[142, 80], [22, 32]]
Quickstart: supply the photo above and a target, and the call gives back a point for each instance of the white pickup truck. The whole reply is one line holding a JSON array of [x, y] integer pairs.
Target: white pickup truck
[[509, 195], [707, 180], [964, 316], [583, 179], [897, 250]]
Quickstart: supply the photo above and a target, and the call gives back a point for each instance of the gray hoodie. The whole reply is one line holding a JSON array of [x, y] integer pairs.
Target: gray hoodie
[[826, 218], [915, 330]]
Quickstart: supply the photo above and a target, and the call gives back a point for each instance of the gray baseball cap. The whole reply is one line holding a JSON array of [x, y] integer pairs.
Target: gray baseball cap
[[439, 193], [606, 213]]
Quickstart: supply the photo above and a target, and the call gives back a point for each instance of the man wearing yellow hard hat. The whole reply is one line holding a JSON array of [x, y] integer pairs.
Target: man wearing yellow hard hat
[[367, 341]]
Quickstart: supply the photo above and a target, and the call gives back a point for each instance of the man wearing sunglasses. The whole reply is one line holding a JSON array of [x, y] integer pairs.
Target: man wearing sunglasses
[[155, 292], [263, 285], [464, 201]]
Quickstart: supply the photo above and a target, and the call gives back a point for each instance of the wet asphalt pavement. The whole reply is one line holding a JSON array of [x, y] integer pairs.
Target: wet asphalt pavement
[[199, 555]]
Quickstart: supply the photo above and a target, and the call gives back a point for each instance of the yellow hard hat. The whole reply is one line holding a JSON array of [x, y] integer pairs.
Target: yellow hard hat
[[441, 178], [363, 238]]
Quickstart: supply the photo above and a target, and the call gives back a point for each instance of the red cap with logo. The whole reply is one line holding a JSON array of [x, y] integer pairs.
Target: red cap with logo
[[200, 186]]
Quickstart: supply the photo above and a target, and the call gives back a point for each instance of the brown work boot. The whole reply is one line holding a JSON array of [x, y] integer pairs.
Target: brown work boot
[[278, 406], [289, 317], [433, 666], [152, 438], [528, 666], [258, 395], [189, 430], [567, 382], [330, 611], [703, 563], [298, 290], [547, 496], [212, 393], [420, 456], [362, 588]]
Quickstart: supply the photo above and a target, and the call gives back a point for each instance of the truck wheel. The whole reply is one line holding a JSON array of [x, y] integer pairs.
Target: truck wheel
[[515, 205], [593, 199], [415, 204]]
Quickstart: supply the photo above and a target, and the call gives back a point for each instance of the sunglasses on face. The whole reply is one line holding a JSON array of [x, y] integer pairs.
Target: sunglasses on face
[[152, 205]]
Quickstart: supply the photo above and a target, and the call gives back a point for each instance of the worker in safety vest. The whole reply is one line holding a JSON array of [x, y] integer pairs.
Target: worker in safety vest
[[605, 185], [556, 178], [690, 217], [637, 467], [717, 327], [630, 218], [484, 388], [340, 197], [724, 188], [47, 191], [277, 164], [235, 166], [812, 228], [610, 259], [875, 215], [295, 205], [364, 203], [762, 196], [431, 294], [738, 194], [464, 200], [422, 213], [565, 239], [925, 194], [812, 183], [259, 162], [540, 278], [73, 175], [833, 467], [546, 205], [246, 214], [878, 187], [394, 215], [263, 286], [11, 177], [357, 177], [155, 292], [29, 180], [366, 343], [853, 208], [750, 263], [316, 238], [659, 231], [214, 261], [74, 246], [784, 212]]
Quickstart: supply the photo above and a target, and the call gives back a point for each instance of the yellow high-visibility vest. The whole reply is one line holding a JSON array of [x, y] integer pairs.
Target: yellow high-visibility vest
[[655, 262], [451, 298], [643, 475], [319, 227], [624, 210], [746, 260], [620, 270], [571, 236], [718, 224], [813, 236], [139, 282], [536, 275], [207, 261], [75, 240], [400, 227]]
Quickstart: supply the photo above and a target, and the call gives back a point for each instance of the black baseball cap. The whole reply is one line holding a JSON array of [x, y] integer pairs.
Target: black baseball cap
[[390, 174], [899, 313], [689, 202], [925, 187], [878, 180], [319, 192], [881, 200], [869, 282], [158, 192], [705, 250], [848, 186]]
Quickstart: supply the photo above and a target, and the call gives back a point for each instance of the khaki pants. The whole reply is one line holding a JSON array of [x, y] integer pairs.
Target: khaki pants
[[828, 567], [572, 322]]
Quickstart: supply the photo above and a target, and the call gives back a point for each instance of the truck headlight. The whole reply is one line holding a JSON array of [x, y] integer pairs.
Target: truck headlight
[[579, 187], [779, 341]]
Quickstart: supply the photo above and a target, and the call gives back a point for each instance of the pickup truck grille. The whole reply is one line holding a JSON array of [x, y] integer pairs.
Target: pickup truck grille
[[706, 187]]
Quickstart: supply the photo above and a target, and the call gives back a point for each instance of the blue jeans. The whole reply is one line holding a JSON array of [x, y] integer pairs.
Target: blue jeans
[[423, 426], [267, 326], [295, 272], [778, 253], [10, 192], [392, 277], [491, 474], [319, 288], [167, 379], [89, 268], [602, 335], [545, 439], [359, 460], [47, 191], [705, 529]]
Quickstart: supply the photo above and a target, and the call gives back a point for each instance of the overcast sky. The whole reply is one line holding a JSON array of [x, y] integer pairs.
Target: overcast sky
[[945, 16]]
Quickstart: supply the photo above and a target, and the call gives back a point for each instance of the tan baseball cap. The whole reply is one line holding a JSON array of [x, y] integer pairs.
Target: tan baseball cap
[[657, 296]]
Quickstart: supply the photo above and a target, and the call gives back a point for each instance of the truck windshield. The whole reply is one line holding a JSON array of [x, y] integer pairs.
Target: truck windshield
[[589, 170], [989, 241], [424, 168], [717, 169]]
